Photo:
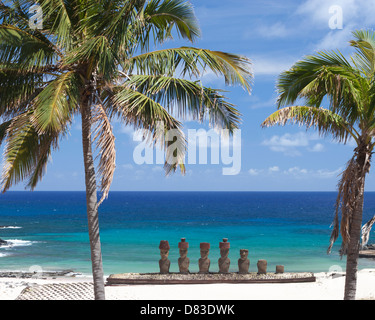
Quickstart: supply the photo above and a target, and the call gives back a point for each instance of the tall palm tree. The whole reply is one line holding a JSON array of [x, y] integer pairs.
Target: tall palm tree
[[93, 59], [349, 87]]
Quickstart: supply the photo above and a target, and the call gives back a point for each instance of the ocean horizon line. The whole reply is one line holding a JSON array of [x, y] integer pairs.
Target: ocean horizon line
[[187, 191]]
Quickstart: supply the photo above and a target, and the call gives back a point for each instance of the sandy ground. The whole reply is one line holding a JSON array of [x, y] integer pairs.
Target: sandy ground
[[328, 286]]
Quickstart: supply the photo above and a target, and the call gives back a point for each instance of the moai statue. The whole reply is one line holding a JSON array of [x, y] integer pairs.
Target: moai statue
[[279, 269], [243, 262], [183, 261], [262, 266], [204, 262], [164, 262], [224, 261]]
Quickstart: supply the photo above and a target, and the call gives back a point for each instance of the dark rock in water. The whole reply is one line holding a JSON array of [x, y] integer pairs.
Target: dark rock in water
[[3, 242], [369, 247]]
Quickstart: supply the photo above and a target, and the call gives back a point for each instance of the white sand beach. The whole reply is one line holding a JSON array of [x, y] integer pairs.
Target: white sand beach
[[328, 286]]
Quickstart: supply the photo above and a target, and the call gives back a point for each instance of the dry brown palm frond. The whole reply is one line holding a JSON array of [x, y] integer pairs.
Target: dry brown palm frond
[[346, 202], [105, 143], [348, 199]]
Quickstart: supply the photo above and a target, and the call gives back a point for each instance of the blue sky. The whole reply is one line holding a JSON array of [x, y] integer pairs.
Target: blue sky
[[273, 34]]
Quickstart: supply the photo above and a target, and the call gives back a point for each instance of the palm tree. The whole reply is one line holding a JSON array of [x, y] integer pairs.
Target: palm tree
[[93, 59], [350, 89]]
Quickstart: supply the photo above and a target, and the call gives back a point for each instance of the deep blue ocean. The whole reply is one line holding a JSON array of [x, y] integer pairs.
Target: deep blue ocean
[[49, 229]]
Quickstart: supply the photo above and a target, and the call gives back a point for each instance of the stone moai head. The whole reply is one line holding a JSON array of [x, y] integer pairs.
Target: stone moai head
[[183, 246], [164, 249], [244, 253], [205, 249], [224, 248]]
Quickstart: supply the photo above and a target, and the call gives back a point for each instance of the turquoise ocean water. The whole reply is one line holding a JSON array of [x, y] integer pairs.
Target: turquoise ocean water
[[49, 229]]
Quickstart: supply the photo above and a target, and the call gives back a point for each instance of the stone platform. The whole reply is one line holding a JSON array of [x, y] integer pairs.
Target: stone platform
[[196, 278], [367, 254]]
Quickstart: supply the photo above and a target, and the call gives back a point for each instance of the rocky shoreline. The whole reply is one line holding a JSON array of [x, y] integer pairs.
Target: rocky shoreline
[[38, 275]]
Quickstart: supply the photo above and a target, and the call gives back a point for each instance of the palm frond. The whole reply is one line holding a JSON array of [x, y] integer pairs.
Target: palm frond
[[325, 121], [193, 62], [324, 75], [105, 143], [24, 49], [188, 99], [365, 56], [350, 196], [60, 19], [292, 82], [26, 152], [54, 105], [163, 15], [17, 89], [142, 112], [97, 54]]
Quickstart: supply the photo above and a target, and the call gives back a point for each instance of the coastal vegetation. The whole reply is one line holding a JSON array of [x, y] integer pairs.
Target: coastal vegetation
[[348, 85], [103, 61]]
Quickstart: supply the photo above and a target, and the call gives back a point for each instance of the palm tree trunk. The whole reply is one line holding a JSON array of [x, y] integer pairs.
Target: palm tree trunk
[[92, 204], [355, 230], [353, 249]]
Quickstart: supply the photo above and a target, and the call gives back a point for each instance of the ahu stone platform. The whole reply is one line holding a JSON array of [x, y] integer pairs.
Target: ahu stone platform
[[196, 278]]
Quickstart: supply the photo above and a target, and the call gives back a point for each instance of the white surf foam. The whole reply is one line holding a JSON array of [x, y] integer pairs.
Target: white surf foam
[[17, 243], [10, 227], [3, 254]]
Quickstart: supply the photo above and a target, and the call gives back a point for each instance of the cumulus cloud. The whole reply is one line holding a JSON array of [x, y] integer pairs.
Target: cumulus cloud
[[317, 148], [271, 65], [291, 144], [276, 30], [255, 172], [296, 172]]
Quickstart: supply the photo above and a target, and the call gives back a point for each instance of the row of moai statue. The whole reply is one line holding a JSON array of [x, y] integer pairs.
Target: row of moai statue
[[204, 262]]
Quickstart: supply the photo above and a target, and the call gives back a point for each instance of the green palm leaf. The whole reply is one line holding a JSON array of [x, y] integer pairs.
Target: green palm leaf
[[26, 153], [193, 62], [53, 107], [188, 99], [142, 112], [323, 120]]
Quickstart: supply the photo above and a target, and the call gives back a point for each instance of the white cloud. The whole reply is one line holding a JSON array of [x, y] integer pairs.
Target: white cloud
[[271, 65], [336, 39], [288, 140], [291, 144], [287, 143], [319, 10], [274, 169], [297, 172], [324, 173], [277, 30], [317, 148], [255, 172]]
